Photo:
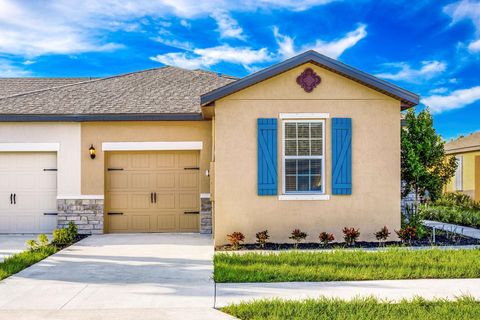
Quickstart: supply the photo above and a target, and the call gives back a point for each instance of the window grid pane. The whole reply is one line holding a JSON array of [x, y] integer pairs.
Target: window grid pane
[[303, 154]]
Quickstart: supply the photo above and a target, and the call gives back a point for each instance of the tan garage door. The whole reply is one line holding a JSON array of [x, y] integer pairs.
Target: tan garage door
[[28, 192], [152, 191]]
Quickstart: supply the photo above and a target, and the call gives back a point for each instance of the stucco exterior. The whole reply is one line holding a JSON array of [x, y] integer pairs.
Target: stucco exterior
[[66, 134], [375, 199], [470, 175]]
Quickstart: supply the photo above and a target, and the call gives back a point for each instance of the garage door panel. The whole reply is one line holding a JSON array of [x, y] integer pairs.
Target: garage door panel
[[118, 223], [165, 161], [140, 223], [165, 180], [163, 173], [188, 222], [118, 160], [167, 222], [188, 180], [188, 200], [140, 181], [118, 201], [139, 201], [117, 181], [139, 161], [23, 174], [165, 200]]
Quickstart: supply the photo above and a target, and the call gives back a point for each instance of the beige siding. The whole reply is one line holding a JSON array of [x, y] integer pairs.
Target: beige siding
[[375, 201]]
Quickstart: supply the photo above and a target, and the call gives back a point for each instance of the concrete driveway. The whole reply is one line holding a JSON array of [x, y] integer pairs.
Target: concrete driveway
[[154, 276], [13, 243]]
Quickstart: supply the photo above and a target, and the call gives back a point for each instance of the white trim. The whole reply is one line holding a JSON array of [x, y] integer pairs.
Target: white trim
[[304, 115], [81, 197], [29, 147], [204, 195], [304, 197], [322, 157], [152, 146]]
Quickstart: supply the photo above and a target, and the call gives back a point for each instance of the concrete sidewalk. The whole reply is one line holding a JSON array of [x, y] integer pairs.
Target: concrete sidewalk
[[384, 289], [465, 231]]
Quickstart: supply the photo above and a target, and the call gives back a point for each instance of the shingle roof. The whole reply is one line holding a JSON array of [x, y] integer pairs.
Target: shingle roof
[[13, 86], [166, 90], [464, 144], [407, 98]]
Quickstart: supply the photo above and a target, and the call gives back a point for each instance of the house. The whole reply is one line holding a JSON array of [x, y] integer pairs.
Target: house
[[467, 177], [308, 143]]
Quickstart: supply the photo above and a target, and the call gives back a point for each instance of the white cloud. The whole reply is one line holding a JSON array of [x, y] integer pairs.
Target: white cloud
[[474, 46], [185, 23], [438, 90], [204, 58], [404, 72], [33, 28], [466, 10], [455, 100], [8, 70], [227, 26], [333, 49]]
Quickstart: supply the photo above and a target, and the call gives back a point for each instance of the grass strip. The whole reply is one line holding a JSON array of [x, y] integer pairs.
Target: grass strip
[[357, 309], [19, 261], [347, 265]]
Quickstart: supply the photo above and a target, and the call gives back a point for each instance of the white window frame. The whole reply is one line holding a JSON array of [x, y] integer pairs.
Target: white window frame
[[322, 157], [459, 174]]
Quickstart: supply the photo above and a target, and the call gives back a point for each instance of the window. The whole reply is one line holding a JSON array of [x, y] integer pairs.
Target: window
[[303, 156], [459, 174]]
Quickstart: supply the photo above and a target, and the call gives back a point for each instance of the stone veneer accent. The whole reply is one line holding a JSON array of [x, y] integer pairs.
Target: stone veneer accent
[[205, 215], [86, 213]]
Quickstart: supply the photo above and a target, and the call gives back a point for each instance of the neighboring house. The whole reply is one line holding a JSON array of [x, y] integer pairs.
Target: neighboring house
[[309, 143], [467, 177]]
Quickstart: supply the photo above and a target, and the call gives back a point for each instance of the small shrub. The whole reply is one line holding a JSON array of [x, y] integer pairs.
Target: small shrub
[[235, 239], [350, 235], [42, 240], [297, 236], [32, 244], [262, 238], [406, 234], [61, 237], [72, 231], [326, 238], [382, 234]]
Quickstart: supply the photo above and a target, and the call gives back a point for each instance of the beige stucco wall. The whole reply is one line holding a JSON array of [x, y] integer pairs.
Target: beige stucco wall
[[67, 134], [149, 131], [469, 175], [375, 199]]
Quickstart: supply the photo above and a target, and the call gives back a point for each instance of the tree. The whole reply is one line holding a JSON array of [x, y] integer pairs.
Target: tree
[[425, 167]]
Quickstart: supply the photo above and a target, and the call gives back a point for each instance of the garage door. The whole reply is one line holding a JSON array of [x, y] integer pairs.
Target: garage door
[[152, 192], [28, 190]]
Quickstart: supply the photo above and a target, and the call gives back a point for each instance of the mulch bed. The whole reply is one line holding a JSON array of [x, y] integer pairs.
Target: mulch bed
[[441, 239]]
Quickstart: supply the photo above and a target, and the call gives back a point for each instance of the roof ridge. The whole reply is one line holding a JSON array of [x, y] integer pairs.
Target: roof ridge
[[80, 83]]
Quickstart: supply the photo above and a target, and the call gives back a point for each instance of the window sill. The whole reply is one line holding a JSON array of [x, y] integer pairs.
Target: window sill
[[302, 197]]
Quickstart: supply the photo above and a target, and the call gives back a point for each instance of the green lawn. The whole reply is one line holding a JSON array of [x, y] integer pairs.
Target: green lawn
[[341, 265], [359, 309], [19, 261]]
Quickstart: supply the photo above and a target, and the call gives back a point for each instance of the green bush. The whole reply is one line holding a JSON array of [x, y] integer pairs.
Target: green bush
[[72, 231], [61, 237], [455, 215], [42, 241]]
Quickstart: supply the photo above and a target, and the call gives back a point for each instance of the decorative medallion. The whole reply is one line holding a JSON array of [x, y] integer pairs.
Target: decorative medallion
[[308, 80]]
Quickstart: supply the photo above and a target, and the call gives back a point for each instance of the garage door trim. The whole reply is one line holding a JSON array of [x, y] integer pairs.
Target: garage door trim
[[29, 147]]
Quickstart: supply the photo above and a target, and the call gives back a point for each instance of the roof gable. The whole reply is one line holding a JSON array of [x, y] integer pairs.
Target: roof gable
[[407, 98]]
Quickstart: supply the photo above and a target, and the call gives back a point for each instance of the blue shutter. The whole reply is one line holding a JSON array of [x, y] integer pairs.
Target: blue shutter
[[341, 156], [267, 157]]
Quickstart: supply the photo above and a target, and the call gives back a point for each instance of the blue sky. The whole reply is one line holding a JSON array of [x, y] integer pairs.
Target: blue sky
[[429, 47]]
